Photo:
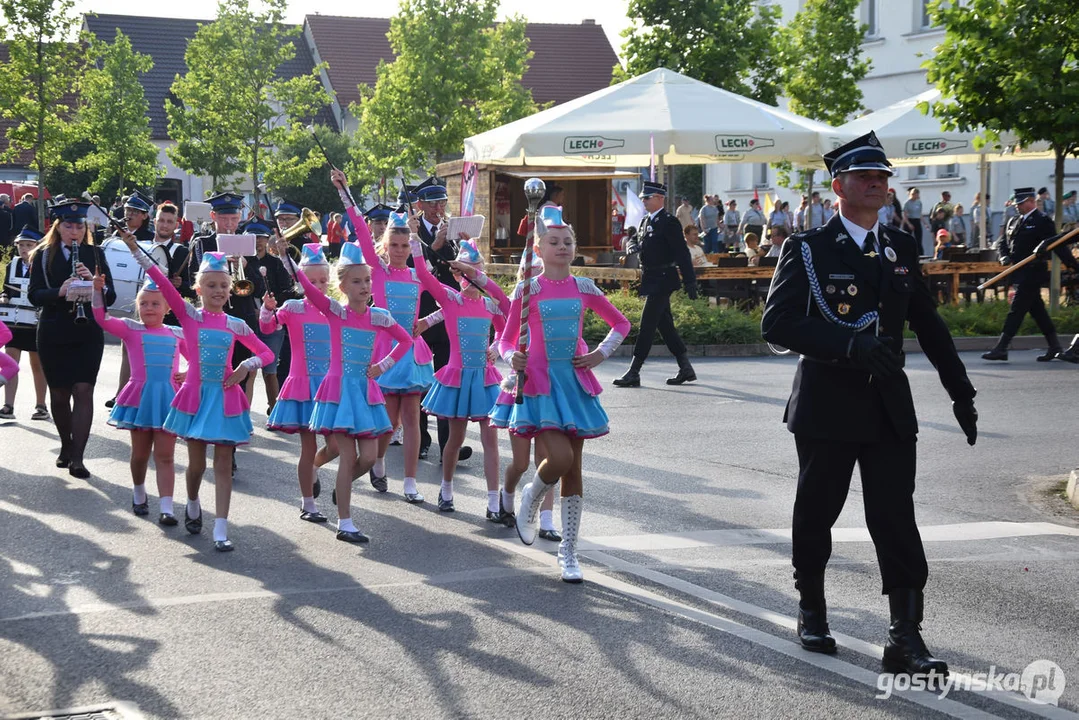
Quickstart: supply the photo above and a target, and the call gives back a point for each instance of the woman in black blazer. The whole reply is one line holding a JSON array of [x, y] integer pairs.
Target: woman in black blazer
[[70, 343]]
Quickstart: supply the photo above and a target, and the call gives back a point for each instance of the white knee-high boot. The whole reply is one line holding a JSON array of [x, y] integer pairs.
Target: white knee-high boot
[[567, 550], [528, 516]]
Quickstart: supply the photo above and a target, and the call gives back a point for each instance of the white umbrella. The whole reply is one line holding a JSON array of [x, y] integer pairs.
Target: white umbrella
[[691, 122]]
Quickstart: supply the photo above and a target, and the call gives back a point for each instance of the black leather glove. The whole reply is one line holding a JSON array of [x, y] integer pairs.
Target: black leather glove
[[968, 419], [1042, 251], [873, 353], [692, 292]]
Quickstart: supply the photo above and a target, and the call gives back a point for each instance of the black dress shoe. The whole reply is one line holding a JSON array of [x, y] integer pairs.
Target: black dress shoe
[[464, 453], [353, 536], [632, 378], [313, 517], [413, 498], [496, 517], [167, 519], [995, 354], [1050, 354], [445, 505], [140, 509], [223, 546], [813, 632], [684, 375], [316, 489], [378, 483], [78, 471], [509, 518], [193, 525], [62, 461], [552, 535]]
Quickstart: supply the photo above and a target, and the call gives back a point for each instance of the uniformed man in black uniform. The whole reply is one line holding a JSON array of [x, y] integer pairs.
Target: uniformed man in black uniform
[[1022, 236], [278, 282], [663, 253], [840, 297]]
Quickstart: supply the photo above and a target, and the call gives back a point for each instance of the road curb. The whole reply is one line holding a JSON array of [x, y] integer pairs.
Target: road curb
[[1072, 491], [910, 345]]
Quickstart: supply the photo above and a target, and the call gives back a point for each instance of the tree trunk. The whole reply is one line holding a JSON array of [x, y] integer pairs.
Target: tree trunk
[[1058, 190]]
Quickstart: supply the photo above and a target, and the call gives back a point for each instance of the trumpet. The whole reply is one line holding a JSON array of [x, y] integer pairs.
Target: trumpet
[[241, 286]]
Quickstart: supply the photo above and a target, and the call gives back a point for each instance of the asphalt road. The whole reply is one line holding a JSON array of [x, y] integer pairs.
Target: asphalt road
[[687, 609]]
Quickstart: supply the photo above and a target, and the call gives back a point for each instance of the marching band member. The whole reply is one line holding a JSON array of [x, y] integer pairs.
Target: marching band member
[[467, 386], [309, 336], [277, 282], [560, 393], [210, 407], [24, 335], [143, 404], [396, 288], [70, 344], [349, 404]]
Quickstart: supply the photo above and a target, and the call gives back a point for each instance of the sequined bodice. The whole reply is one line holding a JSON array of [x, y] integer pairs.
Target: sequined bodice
[[214, 346], [561, 320], [356, 347], [158, 353], [402, 299], [316, 342], [473, 333]]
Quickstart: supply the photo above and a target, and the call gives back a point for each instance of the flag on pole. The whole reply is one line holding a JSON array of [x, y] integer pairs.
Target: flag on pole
[[756, 195], [634, 209], [769, 206], [651, 157]]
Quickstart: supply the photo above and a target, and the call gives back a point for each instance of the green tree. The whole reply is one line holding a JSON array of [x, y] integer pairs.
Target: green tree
[[820, 54], [1010, 66], [42, 68], [112, 116], [456, 73], [226, 121], [289, 178], [726, 43]]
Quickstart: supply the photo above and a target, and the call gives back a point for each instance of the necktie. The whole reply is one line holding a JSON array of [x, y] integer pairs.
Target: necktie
[[870, 244]]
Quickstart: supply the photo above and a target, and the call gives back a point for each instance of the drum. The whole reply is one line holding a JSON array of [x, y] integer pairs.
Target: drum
[[18, 315]]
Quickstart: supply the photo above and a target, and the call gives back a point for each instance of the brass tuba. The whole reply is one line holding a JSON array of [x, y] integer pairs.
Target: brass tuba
[[308, 222]]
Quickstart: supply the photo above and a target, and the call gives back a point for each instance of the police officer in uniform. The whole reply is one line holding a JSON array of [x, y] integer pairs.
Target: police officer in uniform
[[1022, 236], [663, 253], [840, 297]]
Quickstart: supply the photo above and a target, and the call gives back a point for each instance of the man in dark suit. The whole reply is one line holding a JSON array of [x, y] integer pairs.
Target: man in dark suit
[[7, 232], [663, 253], [1022, 235], [840, 297], [25, 213]]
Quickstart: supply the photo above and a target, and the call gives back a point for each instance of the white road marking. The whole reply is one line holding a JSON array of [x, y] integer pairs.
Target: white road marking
[[959, 532]]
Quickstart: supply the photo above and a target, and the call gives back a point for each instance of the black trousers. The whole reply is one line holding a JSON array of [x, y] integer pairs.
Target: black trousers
[[441, 355], [656, 315], [916, 224], [887, 468], [1028, 299]]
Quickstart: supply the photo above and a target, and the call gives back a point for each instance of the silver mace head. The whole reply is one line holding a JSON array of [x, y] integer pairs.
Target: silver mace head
[[534, 190]]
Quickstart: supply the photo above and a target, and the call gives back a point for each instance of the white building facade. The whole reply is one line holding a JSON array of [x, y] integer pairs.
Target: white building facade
[[898, 39]]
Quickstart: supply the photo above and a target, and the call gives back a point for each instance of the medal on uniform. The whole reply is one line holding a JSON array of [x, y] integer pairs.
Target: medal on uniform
[[852, 290], [844, 308], [830, 289], [889, 253]]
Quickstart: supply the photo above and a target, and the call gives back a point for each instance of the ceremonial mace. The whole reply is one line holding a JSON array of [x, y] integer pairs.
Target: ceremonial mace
[[1061, 239], [534, 191]]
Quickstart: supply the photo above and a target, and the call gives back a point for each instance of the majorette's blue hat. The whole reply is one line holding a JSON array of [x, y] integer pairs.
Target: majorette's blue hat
[[149, 285], [467, 252], [351, 254], [311, 254], [398, 221], [214, 262]]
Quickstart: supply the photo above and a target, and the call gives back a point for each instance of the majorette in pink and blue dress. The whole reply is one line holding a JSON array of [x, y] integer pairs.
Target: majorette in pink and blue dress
[[309, 341], [397, 290], [8, 367], [467, 386], [204, 409], [347, 400], [154, 355]]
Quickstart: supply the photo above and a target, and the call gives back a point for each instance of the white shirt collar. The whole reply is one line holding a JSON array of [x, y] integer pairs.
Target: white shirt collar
[[1024, 217], [652, 215], [857, 232]]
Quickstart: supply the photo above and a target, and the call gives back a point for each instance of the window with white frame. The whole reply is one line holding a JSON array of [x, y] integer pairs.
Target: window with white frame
[[916, 172], [760, 175], [870, 19], [948, 171], [924, 20]]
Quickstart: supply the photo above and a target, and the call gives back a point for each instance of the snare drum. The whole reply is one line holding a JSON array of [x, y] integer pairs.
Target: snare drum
[[18, 315]]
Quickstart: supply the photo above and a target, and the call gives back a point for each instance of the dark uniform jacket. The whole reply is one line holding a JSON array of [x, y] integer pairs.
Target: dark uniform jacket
[[1021, 236], [663, 252], [436, 336], [832, 399], [245, 308], [23, 214], [277, 279], [56, 323]]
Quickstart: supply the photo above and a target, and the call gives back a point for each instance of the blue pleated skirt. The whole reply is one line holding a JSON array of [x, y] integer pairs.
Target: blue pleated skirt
[[352, 416], [473, 400], [567, 409], [407, 377], [155, 402], [209, 424], [293, 416]]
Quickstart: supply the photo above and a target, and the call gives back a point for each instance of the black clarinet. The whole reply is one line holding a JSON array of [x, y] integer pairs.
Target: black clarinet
[[80, 308]]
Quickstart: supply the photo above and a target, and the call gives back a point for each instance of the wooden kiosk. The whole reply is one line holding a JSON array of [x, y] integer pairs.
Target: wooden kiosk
[[500, 198]]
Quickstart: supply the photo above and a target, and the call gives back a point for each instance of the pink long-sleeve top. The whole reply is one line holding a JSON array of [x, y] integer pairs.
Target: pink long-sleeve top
[[360, 333], [468, 324], [396, 289], [152, 352], [8, 366], [555, 320], [209, 338], [309, 340]]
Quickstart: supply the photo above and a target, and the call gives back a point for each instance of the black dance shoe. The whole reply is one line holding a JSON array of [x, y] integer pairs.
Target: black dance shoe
[[313, 517], [316, 489], [167, 519], [378, 483], [552, 535], [413, 498], [193, 525], [224, 546], [78, 471], [444, 505], [140, 509], [352, 536]]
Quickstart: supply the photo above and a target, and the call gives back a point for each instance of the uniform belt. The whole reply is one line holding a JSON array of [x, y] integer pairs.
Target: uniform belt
[[660, 267], [844, 362]]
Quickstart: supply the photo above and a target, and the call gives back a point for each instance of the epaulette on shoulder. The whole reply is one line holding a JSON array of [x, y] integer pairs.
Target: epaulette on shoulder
[[587, 286], [238, 326], [381, 317], [492, 306]]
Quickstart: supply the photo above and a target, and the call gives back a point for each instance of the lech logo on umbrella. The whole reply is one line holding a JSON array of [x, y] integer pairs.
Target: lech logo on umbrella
[[933, 146], [591, 144], [737, 144]]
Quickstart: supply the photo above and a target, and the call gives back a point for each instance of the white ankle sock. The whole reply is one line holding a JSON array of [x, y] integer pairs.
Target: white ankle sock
[[166, 505], [492, 501], [309, 505], [194, 509], [507, 501], [546, 520], [345, 525], [221, 529], [447, 490], [410, 485], [138, 494], [379, 468]]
